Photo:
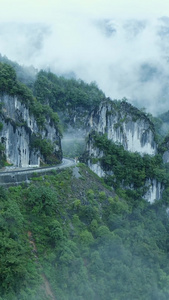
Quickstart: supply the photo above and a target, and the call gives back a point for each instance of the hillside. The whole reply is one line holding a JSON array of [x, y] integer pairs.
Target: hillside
[[74, 235], [85, 243], [30, 132]]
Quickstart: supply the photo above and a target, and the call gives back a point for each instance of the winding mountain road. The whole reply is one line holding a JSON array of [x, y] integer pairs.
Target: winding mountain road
[[65, 163], [14, 175]]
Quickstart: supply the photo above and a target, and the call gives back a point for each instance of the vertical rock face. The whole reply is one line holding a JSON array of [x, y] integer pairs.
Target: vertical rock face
[[96, 168], [95, 153], [166, 152], [16, 135], [125, 125], [155, 189], [164, 149], [17, 141], [166, 156]]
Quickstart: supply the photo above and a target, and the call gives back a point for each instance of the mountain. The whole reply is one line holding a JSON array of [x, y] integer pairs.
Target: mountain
[[68, 236], [98, 230], [122, 146], [29, 131], [119, 59], [119, 122], [24, 74]]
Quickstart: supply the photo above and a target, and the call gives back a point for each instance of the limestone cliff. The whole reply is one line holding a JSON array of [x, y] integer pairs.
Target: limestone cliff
[[164, 149], [152, 188], [126, 125], [155, 189], [123, 125], [19, 131]]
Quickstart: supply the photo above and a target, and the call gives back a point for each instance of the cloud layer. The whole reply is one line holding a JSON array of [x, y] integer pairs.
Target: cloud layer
[[127, 57]]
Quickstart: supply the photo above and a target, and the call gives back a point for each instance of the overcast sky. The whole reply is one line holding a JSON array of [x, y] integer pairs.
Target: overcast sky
[[122, 44], [32, 10]]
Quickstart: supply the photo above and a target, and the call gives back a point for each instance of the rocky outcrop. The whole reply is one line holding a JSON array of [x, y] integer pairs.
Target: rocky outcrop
[[125, 125], [155, 189], [166, 156], [18, 128], [164, 149]]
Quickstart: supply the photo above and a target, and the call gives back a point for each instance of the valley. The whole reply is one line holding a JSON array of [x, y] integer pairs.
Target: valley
[[86, 179]]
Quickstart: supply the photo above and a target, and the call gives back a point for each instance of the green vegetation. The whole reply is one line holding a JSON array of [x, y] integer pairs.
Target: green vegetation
[[46, 148], [161, 127], [26, 75], [85, 243], [61, 93], [2, 151], [2, 155], [43, 114], [130, 170], [69, 235], [17, 267], [11, 86]]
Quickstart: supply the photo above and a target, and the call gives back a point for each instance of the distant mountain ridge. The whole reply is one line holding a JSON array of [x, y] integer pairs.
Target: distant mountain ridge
[[84, 112]]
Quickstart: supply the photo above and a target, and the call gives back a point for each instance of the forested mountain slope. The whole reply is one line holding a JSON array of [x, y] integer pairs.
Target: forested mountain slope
[[26, 75], [30, 131], [72, 99], [88, 243], [72, 235]]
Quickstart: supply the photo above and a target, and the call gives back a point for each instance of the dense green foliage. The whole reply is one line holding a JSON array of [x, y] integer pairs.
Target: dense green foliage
[[160, 128], [86, 243], [46, 148], [130, 170], [24, 74], [11, 86], [2, 151], [17, 263], [68, 236], [2, 155], [61, 93]]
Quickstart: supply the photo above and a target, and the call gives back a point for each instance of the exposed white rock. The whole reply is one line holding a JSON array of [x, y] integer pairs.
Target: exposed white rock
[[16, 141], [166, 157], [133, 131], [121, 127], [155, 190], [96, 168], [18, 126]]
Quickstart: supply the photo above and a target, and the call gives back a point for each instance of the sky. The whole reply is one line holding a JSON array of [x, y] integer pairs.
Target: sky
[[121, 45], [31, 10]]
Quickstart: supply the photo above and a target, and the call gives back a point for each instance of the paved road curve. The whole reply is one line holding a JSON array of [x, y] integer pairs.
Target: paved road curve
[[14, 176], [65, 163]]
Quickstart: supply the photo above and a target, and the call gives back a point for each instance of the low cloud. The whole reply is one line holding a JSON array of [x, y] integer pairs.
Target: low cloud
[[125, 57]]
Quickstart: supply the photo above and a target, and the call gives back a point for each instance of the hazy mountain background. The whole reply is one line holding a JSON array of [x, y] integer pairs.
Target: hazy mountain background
[[102, 240], [125, 57]]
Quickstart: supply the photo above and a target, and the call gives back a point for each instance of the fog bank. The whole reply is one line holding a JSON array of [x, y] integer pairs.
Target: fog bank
[[125, 56]]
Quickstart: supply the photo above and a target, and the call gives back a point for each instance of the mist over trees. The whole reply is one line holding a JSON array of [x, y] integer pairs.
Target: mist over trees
[[87, 242], [127, 57], [71, 235]]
